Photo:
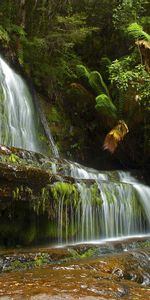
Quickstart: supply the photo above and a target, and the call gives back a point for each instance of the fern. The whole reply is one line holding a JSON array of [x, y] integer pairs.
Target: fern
[[94, 78], [17, 29], [105, 105], [97, 83], [82, 71], [136, 31], [4, 37]]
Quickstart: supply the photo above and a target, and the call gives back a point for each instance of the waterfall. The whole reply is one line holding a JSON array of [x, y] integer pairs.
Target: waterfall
[[119, 206], [19, 123], [110, 204]]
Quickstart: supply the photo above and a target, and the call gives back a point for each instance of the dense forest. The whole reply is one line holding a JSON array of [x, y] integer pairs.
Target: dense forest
[[89, 62]]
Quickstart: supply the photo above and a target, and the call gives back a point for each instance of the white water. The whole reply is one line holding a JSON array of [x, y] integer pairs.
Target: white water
[[17, 115], [123, 209], [19, 122]]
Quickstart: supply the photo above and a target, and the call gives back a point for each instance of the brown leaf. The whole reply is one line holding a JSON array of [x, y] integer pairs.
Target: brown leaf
[[115, 136]]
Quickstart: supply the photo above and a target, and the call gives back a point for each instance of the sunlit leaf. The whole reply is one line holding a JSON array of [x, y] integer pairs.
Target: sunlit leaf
[[115, 136]]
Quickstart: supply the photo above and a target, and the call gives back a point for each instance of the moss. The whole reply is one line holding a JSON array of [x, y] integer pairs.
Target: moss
[[22, 193], [41, 259], [18, 265], [77, 254], [66, 192], [95, 195]]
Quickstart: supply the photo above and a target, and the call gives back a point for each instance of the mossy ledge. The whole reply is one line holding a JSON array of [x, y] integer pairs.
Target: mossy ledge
[[29, 194]]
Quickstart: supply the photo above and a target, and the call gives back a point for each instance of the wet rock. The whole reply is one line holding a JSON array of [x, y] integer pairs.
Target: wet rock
[[56, 274], [26, 195]]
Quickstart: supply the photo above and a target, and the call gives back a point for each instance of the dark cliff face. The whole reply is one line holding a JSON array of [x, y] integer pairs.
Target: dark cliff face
[[30, 192], [26, 200]]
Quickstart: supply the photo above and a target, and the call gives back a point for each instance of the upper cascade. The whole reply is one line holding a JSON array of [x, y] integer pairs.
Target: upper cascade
[[19, 122]]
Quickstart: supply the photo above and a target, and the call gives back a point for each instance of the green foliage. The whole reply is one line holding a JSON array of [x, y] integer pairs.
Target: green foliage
[[97, 83], [76, 24], [82, 71], [127, 11], [85, 254], [18, 30], [4, 37], [94, 79], [65, 192], [104, 103], [136, 31], [41, 259], [124, 74], [95, 195], [105, 106], [13, 158], [121, 72], [54, 115]]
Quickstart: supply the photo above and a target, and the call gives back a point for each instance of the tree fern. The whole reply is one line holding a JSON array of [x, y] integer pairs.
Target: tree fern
[[136, 31]]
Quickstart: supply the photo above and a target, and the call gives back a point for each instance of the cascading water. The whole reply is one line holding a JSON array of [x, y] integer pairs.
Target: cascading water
[[111, 205], [19, 122]]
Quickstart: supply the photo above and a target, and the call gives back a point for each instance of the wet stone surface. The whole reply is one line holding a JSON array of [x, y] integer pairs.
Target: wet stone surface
[[77, 272]]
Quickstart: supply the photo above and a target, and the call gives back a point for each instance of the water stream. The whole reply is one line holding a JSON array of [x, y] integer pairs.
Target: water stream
[[20, 125], [111, 206], [117, 205]]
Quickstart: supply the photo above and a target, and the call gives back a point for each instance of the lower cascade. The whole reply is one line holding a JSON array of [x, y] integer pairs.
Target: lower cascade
[[110, 205]]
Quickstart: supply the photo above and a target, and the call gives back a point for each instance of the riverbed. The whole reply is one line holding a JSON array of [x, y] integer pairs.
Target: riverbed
[[109, 270]]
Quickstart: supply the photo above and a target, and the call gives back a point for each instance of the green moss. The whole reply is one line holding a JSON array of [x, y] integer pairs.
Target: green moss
[[41, 259], [76, 254], [66, 192], [54, 116], [18, 265], [22, 193], [13, 158], [95, 195]]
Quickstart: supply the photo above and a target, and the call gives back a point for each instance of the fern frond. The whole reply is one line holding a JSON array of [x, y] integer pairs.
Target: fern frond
[[4, 37], [136, 31], [105, 105], [82, 71], [97, 83]]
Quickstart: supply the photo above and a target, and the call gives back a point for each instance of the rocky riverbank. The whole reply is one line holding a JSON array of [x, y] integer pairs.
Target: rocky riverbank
[[112, 270]]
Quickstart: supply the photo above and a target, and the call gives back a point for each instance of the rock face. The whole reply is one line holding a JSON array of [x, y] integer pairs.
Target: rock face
[[52, 200], [27, 208]]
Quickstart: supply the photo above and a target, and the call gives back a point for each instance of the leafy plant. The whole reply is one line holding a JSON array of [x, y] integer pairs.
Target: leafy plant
[[136, 31], [105, 105], [4, 36]]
